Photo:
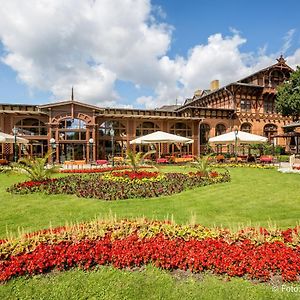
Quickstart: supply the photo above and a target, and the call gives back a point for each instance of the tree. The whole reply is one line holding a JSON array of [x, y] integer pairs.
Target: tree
[[288, 96], [34, 168]]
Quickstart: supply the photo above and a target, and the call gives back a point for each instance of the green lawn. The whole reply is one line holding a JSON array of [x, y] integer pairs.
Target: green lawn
[[151, 283], [254, 195]]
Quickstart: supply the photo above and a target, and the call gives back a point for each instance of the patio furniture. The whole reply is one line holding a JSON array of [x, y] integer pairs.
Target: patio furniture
[[220, 158], [119, 160], [183, 159], [3, 161], [101, 162], [71, 164], [162, 161], [266, 159]]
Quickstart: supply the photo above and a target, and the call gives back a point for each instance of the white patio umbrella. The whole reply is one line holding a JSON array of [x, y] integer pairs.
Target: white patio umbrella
[[159, 137], [10, 139], [241, 137]]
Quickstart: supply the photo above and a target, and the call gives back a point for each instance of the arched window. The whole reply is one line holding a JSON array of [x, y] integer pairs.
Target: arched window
[[270, 130], [181, 129], [72, 130], [204, 134], [246, 127], [220, 129], [146, 128], [119, 128], [72, 124], [31, 126]]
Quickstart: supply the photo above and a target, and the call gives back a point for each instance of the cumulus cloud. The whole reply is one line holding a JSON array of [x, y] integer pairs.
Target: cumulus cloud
[[55, 44], [90, 44]]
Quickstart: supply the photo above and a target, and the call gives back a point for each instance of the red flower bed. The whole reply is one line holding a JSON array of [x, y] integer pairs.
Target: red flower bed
[[136, 175], [169, 246], [296, 167], [99, 170], [30, 184]]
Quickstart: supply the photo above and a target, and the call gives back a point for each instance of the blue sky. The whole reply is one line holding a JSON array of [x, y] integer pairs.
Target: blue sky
[[260, 22], [157, 51]]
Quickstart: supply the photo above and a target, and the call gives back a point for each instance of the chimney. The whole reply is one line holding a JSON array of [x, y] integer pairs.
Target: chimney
[[214, 85]]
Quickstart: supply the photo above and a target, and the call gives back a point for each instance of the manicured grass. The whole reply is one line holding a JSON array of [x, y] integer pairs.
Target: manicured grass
[[150, 283], [254, 195]]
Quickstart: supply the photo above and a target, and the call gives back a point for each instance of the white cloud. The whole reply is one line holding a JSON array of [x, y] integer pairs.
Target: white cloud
[[55, 44], [90, 44], [294, 60], [288, 38]]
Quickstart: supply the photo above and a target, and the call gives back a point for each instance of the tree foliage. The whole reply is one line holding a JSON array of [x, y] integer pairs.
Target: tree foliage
[[288, 96], [135, 160], [202, 164], [34, 168]]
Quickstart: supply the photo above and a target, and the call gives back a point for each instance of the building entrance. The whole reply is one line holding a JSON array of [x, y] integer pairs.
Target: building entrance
[[72, 151]]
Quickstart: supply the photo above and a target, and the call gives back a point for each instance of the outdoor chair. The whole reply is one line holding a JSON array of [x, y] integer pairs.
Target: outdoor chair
[[3, 161], [220, 158], [162, 161], [266, 159]]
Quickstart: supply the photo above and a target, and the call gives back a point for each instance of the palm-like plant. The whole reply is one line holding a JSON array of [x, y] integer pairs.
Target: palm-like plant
[[135, 160], [202, 164], [35, 169]]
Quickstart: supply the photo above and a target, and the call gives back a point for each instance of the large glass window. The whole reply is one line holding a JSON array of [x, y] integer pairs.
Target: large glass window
[[204, 134], [119, 128], [31, 126], [220, 129], [181, 129], [72, 124], [245, 105], [146, 128], [72, 130], [246, 127]]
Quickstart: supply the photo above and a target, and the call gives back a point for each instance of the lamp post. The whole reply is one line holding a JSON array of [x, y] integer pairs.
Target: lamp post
[[91, 142], [15, 131], [53, 146], [235, 144], [112, 134]]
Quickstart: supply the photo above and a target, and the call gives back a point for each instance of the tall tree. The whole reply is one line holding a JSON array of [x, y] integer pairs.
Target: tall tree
[[288, 96]]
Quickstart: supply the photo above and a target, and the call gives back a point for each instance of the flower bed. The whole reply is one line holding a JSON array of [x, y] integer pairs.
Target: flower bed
[[242, 165], [113, 186], [253, 253], [99, 170]]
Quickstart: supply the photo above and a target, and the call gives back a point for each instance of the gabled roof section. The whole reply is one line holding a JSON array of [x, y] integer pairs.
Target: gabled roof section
[[190, 102], [61, 103], [281, 64]]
